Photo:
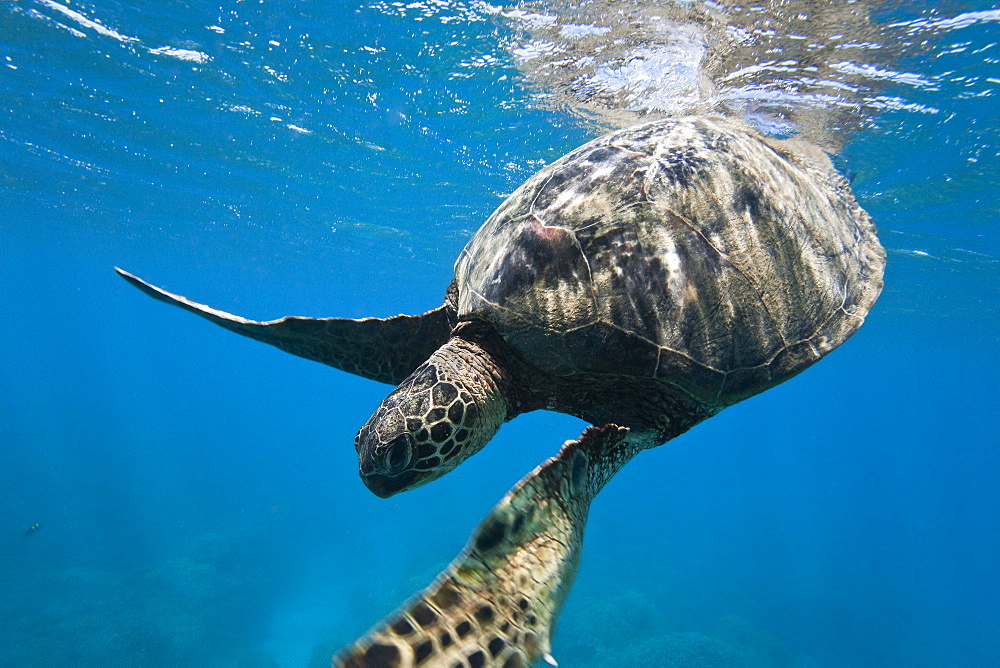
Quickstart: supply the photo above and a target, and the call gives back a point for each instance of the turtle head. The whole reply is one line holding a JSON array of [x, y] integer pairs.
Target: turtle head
[[441, 415]]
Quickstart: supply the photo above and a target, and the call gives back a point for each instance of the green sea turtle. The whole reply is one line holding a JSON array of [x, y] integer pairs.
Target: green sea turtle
[[648, 279]]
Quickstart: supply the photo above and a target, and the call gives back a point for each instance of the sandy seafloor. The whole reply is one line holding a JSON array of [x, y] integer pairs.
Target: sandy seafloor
[[198, 492]]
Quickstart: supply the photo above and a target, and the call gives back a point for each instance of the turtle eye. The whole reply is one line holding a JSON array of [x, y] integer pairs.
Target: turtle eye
[[398, 454]]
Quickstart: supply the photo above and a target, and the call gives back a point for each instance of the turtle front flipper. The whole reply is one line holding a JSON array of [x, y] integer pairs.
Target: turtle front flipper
[[496, 605], [382, 349]]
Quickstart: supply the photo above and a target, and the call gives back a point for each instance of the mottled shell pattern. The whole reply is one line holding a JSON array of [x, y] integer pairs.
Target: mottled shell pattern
[[691, 251]]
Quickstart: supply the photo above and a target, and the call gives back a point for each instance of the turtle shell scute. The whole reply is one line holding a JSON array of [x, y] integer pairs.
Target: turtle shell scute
[[691, 251]]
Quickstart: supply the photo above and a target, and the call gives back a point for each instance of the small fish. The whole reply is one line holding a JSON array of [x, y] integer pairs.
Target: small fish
[[33, 529]]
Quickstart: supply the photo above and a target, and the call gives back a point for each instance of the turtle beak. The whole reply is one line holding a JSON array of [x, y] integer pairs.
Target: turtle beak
[[384, 486], [385, 467]]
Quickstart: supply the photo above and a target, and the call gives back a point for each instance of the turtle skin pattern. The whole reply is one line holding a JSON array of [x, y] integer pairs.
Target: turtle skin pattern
[[496, 605], [691, 252]]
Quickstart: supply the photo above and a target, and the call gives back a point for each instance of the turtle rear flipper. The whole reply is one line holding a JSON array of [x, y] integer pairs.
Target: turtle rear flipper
[[382, 349], [497, 603]]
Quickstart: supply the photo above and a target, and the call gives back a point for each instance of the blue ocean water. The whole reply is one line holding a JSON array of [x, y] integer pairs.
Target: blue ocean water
[[198, 493]]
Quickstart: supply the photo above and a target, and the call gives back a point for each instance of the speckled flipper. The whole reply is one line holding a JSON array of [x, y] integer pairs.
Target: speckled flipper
[[497, 603], [382, 349]]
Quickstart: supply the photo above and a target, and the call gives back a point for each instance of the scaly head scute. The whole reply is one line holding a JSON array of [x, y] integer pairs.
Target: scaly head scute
[[444, 413]]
